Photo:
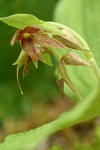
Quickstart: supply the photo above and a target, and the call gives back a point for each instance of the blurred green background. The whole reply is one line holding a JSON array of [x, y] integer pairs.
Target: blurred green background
[[40, 84], [41, 102]]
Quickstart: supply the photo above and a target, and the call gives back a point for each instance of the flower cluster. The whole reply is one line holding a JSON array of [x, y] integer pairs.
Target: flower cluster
[[35, 41]]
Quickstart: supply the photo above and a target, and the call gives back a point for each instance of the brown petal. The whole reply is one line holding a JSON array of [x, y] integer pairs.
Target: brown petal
[[74, 59], [33, 51], [39, 51], [61, 87], [26, 66], [35, 61], [17, 36], [28, 46], [45, 40], [45, 50], [31, 30], [69, 41], [66, 78]]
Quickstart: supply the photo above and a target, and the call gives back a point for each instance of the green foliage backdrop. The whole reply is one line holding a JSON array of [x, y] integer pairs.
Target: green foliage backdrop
[[84, 19], [87, 84], [11, 100]]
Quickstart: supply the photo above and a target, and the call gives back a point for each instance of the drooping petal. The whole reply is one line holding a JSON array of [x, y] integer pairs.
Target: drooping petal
[[66, 78], [28, 46], [19, 34], [33, 51], [22, 59], [40, 51], [69, 42], [21, 62], [35, 61], [47, 41], [17, 72], [61, 87], [74, 59], [17, 37], [26, 66]]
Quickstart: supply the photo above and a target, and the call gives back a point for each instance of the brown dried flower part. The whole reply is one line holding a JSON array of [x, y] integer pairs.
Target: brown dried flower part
[[74, 59], [69, 59], [36, 41]]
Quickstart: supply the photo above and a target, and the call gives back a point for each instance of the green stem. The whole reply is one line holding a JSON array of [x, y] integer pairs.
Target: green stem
[[93, 64]]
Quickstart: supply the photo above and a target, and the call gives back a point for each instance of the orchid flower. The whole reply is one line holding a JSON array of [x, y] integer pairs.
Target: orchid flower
[[36, 40]]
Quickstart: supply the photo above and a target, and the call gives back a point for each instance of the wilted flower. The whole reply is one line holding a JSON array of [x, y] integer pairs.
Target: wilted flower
[[69, 59], [35, 41]]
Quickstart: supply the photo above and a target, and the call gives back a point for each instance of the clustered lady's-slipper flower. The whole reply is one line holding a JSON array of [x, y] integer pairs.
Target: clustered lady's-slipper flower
[[40, 39], [36, 40]]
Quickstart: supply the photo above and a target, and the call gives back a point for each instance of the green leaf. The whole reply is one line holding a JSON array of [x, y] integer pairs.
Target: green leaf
[[52, 29], [80, 18], [32, 139], [58, 53], [21, 20], [47, 59], [82, 77]]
